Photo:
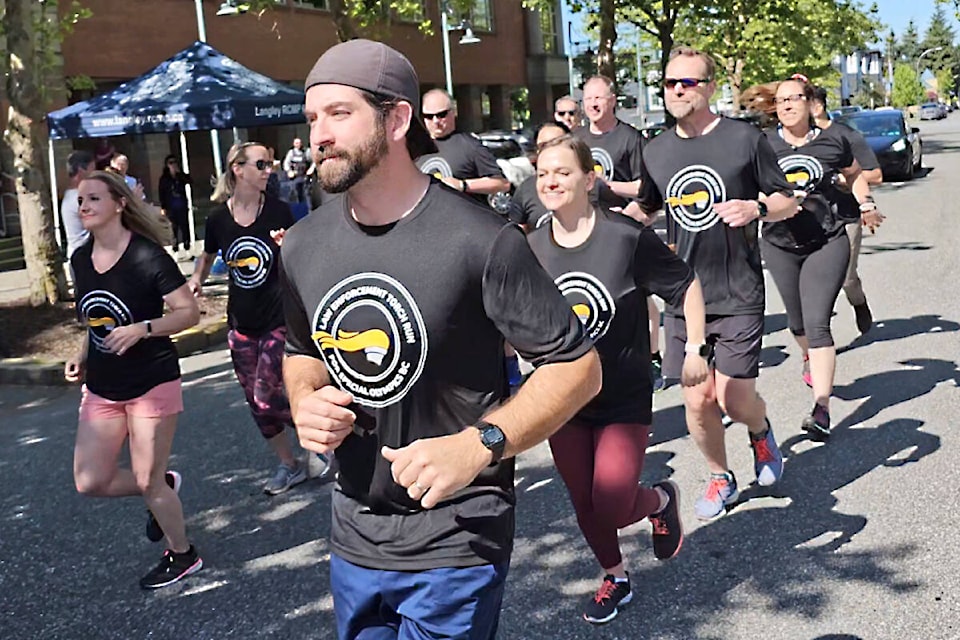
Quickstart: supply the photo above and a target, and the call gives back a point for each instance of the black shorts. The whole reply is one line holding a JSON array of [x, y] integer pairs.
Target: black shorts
[[735, 342]]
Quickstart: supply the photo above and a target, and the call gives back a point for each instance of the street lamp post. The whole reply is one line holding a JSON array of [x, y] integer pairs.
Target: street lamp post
[[467, 38], [571, 43], [920, 57], [641, 87]]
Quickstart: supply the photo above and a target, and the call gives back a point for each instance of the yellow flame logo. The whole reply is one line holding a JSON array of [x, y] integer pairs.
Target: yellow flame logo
[[798, 177], [598, 169], [253, 262], [582, 311], [108, 323], [697, 197], [373, 342]]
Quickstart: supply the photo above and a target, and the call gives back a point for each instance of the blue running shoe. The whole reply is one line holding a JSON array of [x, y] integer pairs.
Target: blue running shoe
[[767, 459], [721, 491]]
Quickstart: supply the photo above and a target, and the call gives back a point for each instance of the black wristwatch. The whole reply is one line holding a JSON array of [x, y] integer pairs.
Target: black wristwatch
[[761, 209], [492, 438], [464, 186]]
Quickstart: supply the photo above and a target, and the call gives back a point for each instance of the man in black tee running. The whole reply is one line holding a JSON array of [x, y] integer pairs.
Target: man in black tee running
[[398, 299], [461, 161], [716, 177]]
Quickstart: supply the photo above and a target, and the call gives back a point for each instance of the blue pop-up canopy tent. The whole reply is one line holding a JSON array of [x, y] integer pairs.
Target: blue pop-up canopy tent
[[198, 89]]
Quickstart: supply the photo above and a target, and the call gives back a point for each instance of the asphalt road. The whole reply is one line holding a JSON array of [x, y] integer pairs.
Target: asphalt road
[[860, 540]]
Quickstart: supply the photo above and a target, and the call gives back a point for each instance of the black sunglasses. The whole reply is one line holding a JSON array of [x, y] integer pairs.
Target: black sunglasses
[[439, 114], [686, 83], [259, 164], [567, 113]]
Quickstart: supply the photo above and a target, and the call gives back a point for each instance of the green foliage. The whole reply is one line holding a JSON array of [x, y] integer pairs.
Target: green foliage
[[908, 47], [907, 89], [945, 83], [371, 18], [758, 41], [939, 34]]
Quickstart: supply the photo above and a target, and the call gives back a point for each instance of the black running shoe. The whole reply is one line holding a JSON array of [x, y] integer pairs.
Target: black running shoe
[[864, 317], [603, 605], [817, 424], [667, 528], [154, 532], [173, 567]]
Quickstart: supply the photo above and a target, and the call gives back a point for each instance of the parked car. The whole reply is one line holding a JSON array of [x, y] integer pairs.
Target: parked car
[[512, 150], [842, 111], [898, 147], [932, 111]]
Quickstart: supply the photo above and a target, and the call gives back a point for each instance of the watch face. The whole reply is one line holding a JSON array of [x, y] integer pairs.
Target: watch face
[[491, 436]]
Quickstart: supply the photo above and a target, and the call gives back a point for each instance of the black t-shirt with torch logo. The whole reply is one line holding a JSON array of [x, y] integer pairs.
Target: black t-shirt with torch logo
[[255, 306], [811, 167], [687, 177], [411, 319], [130, 291]]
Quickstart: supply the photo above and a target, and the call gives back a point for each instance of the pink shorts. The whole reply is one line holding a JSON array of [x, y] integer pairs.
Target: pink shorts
[[163, 400]]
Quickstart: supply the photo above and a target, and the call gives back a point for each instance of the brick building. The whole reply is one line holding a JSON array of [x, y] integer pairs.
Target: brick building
[[125, 38]]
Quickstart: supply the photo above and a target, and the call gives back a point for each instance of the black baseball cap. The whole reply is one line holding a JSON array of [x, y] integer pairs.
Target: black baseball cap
[[375, 67]]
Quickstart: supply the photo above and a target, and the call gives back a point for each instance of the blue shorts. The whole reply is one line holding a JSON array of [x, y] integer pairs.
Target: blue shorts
[[461, 603]]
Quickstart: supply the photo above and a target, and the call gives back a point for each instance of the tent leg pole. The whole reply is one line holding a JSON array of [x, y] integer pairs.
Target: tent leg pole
[[185, 163], [236, 136], [53, 192], [215, 144]]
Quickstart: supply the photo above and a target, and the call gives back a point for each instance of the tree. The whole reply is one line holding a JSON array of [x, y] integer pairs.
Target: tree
[[356, 18], [32, 63], [756, 41], [907, 89], [945, 83], [939, 34], [908, 49]]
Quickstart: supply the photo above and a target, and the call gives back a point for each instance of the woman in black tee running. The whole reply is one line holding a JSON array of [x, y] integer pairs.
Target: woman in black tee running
[[807, 254], [247, 229], [132, 392], [606, 265]]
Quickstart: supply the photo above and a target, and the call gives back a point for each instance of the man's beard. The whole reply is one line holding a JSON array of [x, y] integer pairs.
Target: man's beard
[[354, 165]]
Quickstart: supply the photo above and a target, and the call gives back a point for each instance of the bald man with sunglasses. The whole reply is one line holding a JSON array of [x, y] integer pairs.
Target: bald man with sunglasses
[[716, 178]]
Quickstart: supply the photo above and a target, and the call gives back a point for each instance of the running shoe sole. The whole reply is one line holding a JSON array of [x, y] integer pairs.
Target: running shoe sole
[[196, 566], [814, 429], [613, 614], [726, 503]]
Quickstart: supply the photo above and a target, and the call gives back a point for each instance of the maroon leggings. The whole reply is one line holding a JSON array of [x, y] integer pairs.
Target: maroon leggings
[[601, 467]]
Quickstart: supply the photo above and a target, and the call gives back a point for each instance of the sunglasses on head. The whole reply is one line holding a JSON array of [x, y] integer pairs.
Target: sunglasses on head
[[259, 164], [572, 112], [439, 115], [686, 83]]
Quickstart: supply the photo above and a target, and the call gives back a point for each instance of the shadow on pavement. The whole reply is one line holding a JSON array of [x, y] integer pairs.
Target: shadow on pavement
[[880, 391], [684, 598], [872, 248], [898, 328]]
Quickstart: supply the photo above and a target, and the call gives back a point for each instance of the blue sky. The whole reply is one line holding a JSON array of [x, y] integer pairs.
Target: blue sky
[[897, 13]]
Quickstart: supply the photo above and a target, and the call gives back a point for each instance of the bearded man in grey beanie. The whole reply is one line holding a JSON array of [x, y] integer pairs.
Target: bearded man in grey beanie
[[398, 299]]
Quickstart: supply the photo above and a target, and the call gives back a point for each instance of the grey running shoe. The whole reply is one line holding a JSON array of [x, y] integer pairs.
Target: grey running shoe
[[285, 478]]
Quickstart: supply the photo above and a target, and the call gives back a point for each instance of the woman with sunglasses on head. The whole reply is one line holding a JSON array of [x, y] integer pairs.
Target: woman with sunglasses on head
[[606, 265], [131, 392], [807, 254], [172, 192], [247, 228]]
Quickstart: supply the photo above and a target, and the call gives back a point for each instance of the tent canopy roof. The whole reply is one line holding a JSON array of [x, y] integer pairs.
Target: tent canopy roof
[[196, 90]]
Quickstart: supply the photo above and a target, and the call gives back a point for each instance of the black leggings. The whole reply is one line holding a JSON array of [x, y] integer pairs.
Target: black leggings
[[181, 226], [809, 285]]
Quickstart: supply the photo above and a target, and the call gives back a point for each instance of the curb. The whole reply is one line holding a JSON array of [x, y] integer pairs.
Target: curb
[[31, 372]]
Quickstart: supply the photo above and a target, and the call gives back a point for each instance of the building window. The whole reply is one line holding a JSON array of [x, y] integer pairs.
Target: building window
[[322, 5], [548, 30], [480, 16]]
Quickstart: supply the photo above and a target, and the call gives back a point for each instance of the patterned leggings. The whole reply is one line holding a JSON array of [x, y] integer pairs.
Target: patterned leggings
[[258, 363]]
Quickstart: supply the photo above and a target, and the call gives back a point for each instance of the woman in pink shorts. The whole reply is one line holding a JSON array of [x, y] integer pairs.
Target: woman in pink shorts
[[123, 278]]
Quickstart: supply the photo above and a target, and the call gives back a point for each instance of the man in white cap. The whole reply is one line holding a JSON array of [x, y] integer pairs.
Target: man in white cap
[[399, 297]]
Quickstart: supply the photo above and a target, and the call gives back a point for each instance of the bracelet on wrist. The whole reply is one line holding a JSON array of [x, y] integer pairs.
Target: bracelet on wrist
[[868, 206]]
